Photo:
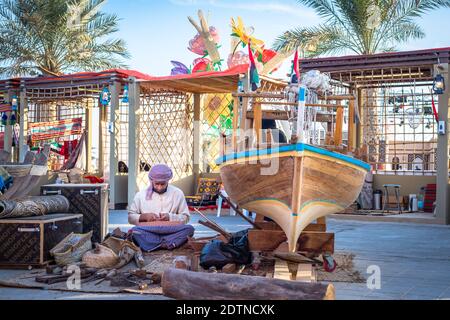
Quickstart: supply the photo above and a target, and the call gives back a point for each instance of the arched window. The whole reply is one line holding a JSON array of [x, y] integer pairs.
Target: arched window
[[418, 164], [395, 163]]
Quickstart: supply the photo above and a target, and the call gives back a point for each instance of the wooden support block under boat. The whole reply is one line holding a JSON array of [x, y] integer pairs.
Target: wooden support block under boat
[[188, 285], [303, 272], [269, 240], [320, 226]]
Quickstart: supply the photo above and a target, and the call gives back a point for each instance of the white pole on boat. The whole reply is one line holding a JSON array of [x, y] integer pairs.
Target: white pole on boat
[[301, 114]]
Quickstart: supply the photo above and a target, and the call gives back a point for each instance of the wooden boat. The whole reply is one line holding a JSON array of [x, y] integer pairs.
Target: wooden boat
[[304, 183]]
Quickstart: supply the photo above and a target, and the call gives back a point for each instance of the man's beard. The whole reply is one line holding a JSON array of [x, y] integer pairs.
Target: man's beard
[[160, 192]]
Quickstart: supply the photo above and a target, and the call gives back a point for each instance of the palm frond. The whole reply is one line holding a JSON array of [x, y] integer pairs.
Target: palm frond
[[58, 36]]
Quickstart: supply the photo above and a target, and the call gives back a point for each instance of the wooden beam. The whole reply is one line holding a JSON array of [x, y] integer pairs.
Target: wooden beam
[[188, 285], [320, 226], [133, 138], [359, 127], [200, 88], [234, 137], [282, 115], [23, 118], [293, 104], [196, 143], [269, 240], [442, 193], [89, 136], [7, 138], [339, 126], [113, 128], [303, 272], [244, 122], [351, 126], [257, 123], [282, 96]]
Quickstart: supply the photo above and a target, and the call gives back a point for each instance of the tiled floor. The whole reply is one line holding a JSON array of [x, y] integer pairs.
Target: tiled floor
[[414, 259]]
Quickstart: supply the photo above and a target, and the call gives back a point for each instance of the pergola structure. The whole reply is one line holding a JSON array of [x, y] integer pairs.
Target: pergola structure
[[385, 85], [180, 121], [48, 100]]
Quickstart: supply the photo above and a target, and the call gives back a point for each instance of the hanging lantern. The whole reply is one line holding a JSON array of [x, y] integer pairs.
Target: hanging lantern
[[4, 119], [105, 97], [15, 103], [13, 119], [439, 84], [125, 94]]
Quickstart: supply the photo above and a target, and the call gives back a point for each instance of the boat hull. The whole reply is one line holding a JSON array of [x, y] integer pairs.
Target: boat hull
[[293, 187]]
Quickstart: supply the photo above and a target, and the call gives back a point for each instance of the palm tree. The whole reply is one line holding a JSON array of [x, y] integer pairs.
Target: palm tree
[[52, 37], [360, 26]]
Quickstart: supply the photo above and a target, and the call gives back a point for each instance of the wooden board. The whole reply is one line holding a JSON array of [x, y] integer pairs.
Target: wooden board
[[339, 126], [320, 226], [269, 240], [305, 272]]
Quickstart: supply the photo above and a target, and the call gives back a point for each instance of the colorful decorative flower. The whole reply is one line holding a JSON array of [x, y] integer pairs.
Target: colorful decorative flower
[[179, 68], [197, 44], [240, 32], [267, 55], [202, 65], [238, 58]]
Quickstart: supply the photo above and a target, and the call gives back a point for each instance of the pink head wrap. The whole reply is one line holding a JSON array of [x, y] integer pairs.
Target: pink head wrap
[[158, 173]]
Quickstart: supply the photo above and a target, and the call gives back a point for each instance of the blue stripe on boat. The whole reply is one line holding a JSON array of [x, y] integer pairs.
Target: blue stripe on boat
[[293, 147]]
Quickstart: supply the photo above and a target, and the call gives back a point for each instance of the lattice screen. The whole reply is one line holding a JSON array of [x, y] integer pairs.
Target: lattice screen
[[400, 129], [216, 119], [166, 133]]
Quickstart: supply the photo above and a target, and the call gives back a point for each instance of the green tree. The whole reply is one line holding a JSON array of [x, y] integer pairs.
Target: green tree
[[360, 26], [52, 37]]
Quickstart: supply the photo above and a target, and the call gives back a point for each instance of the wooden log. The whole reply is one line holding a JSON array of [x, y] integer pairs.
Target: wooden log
[[269, 240], [186, 285]]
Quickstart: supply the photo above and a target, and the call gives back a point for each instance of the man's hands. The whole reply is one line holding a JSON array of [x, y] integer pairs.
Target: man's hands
[[148, 217], [164, 217], [152, 217]]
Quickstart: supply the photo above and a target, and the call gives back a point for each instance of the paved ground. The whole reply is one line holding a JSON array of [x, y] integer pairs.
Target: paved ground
[[414, 260]]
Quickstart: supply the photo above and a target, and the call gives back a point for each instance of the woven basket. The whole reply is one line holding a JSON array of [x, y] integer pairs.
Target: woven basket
[[72, 249], [18, 170], [101, 258]]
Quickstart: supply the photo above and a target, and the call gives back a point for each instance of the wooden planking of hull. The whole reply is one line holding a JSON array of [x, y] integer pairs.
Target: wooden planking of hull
[[293, 185]]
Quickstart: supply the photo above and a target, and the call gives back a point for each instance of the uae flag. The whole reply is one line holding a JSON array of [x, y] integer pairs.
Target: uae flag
[[254, 76]]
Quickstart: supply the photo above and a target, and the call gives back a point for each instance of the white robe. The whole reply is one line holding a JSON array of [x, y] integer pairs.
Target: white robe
[[172, 202]]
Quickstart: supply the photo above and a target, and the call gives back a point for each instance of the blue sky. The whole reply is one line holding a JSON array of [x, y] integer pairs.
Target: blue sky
[[159, 31]]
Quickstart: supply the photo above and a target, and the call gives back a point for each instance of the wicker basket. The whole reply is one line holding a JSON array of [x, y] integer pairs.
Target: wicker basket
[[101, 258], [18, 170], [72, 249]]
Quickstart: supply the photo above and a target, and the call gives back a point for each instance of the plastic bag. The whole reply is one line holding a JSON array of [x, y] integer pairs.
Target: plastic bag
[[218, 254]]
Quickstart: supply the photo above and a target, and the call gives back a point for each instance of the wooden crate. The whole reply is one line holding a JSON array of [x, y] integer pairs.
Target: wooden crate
[[27, 242]]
